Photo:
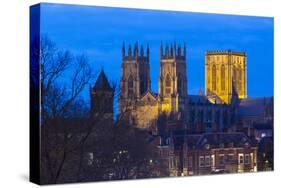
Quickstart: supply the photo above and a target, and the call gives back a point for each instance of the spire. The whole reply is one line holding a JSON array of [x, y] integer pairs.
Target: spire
[[141, 51], [147, 50], [171, 51], [184, 50], [129, 50], [200, 92], [161, 49], [179, 50], [175, 48], [167, 50], [136, 49], [123, 49]]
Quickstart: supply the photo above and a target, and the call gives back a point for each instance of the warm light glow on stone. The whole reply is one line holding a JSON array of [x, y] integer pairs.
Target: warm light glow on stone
[[222, 69]]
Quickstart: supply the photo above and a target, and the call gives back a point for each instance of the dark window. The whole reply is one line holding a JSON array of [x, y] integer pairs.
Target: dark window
[[179, 84], [130, 87]]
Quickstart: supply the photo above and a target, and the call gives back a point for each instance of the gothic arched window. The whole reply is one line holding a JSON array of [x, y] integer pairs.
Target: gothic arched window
[[208, 76], [234, 74], [168, 85], [142, 84], [214, 78], [130, 87], [179, 84], [240, 79], [222, 78]]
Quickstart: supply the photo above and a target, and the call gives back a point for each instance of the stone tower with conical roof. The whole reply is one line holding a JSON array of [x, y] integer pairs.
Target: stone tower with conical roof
[[102, 97]]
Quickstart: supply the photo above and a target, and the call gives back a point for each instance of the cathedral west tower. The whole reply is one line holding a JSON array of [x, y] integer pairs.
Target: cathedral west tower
[[173, 79], [135, 77]]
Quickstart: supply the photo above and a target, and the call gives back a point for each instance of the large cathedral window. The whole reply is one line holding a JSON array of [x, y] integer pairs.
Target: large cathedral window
[[240, 79], [214, 78], [130, 87], [179, 84], [142, 84], [234, 75], [168, 85], [222, 77], [208, 76]]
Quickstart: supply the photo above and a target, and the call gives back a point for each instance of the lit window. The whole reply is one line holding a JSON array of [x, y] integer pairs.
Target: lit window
[[241, 158], [90, 158], [168, 86], [213, 160]]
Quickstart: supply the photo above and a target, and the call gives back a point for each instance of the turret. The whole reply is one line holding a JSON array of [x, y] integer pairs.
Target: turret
[[136, 49], [173, 51], [161, 49], [147, 51], [129, 51], [123, 50], [141, 51], [167, 51], [136, 54]]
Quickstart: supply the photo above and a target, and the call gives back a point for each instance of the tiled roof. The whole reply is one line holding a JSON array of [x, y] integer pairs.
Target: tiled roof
[[212, 140]]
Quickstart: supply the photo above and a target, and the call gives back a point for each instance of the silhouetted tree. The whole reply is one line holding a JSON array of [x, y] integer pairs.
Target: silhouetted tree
[[77, 145], [59, 98]]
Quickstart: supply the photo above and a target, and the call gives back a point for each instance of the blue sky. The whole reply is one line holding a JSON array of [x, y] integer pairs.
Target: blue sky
[[98, 32]]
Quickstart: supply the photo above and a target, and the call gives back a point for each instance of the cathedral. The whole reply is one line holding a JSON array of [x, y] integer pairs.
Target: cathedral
[[217, 109], [136, 98], [204, 131], [225, 73]]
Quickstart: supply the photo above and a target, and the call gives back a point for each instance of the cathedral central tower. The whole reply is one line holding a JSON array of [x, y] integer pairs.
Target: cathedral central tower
[[225, 71]]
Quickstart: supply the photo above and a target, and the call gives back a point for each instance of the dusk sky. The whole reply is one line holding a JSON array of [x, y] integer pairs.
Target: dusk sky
[[98, 32]]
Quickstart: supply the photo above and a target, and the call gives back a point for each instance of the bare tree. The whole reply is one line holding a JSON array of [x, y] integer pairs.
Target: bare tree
[[58, 97], [77, 145]]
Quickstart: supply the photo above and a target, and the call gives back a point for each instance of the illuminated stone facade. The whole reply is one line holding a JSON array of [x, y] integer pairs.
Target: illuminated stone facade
[[172, 81], [136, 98], [224, 72]]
